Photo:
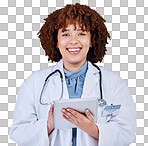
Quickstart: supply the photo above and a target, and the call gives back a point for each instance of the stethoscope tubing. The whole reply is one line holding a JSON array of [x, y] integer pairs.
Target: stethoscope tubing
[[101, 95], [61, 76], [101, 101]]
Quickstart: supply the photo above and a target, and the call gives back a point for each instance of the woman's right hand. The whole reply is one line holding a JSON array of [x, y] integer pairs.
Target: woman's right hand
[[50, 122]]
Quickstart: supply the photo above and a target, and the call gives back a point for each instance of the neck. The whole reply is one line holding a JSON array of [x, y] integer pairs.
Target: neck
[[73, 67]]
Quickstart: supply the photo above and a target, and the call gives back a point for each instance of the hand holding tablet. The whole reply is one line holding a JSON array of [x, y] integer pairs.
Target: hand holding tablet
[[79, 105]]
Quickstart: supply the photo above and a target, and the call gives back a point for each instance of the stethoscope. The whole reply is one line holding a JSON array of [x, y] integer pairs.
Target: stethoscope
[[101, 101]]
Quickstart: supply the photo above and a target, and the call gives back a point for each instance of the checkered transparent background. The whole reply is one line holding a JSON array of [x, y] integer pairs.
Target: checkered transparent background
[[21, 53]]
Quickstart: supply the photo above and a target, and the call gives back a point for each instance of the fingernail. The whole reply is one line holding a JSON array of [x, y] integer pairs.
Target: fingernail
[[87, 110], [63, 110]]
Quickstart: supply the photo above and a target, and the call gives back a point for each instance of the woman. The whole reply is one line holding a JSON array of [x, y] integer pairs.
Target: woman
[[75, 37]]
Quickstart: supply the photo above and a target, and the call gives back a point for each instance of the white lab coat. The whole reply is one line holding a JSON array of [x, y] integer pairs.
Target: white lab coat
[[30, 117]]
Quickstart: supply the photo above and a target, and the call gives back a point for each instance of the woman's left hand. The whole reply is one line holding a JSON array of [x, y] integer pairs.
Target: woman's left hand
[[85, 123]]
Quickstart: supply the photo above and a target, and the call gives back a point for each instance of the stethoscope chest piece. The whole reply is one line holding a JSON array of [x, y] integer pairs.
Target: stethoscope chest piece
[[101, 102]]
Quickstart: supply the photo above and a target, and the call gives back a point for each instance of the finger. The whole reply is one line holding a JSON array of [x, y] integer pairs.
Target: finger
[[66, 118], [51, 111], [68, 114], [51, 108], [75, 113], [89, 115]]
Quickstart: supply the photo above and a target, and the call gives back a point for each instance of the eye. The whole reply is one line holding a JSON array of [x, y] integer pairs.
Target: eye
[[65, 34], [81, 34]]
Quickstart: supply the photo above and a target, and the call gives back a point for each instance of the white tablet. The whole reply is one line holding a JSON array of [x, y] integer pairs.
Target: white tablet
[[79, 104]]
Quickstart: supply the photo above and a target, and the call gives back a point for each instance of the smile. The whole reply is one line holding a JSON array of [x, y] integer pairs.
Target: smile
[[74, 50]]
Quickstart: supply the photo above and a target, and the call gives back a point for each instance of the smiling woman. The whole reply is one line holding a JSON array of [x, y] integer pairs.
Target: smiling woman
[[75, 37]]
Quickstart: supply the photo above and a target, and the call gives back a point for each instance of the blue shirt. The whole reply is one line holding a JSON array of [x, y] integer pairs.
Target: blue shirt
[[75, 82]]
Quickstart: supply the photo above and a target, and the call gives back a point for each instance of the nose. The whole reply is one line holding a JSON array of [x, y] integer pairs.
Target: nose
[[74, 40]]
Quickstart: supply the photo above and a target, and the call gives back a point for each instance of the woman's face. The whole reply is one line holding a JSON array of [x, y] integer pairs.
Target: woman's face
[[73, 45]]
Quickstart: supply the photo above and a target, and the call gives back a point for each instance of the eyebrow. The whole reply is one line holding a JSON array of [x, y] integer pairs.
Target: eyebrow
[[79, 29]]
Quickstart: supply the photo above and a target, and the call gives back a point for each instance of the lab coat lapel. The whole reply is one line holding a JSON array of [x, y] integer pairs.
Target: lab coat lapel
[[91, 80]]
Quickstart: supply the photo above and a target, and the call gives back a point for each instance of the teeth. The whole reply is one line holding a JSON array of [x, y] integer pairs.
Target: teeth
[[73, 50]]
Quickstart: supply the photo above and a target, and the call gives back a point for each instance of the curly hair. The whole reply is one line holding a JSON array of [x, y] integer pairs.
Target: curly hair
[[87, 18]]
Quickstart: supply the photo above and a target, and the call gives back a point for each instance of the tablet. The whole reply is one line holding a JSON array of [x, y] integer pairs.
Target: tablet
[[79, 104]]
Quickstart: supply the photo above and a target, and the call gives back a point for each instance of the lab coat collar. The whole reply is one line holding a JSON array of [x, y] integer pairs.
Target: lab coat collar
[[93, 70], [91, 78], [59, 66]]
